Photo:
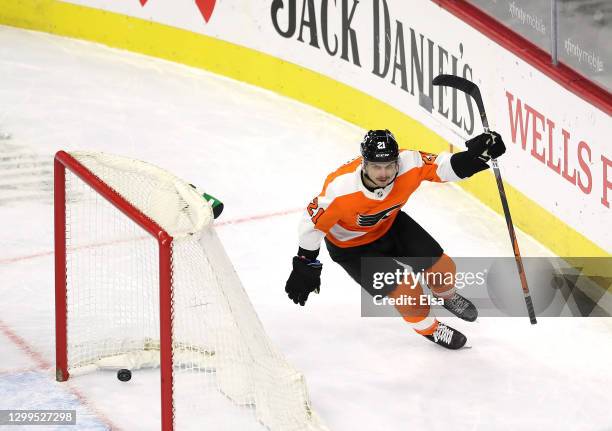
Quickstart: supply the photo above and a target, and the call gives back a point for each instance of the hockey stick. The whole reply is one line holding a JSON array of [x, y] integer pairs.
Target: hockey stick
[[472, 89]]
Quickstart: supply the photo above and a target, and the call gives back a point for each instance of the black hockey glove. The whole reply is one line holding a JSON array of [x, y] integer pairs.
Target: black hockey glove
[[304, 278], [486, 146], [480, 150]]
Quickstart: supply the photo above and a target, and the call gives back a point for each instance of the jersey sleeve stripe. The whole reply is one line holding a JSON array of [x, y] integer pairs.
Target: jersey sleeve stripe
[[445, 170]]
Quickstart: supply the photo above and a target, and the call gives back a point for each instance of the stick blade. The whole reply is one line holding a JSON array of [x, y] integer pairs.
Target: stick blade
[[456, 82], [445, 79], [465, 86]]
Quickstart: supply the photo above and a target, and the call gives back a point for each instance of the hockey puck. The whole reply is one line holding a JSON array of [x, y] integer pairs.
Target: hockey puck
[[124, 375]]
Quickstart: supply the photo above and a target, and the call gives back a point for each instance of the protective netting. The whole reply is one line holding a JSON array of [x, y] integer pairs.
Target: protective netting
[[227, 375]]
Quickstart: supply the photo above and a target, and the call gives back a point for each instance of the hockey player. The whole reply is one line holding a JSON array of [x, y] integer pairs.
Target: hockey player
[[358, 213]]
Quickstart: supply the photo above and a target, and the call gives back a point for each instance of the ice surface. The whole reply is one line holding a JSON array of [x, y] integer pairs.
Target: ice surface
[[265, 157]]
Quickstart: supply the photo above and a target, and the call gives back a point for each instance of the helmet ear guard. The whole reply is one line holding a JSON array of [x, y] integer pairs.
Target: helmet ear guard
[[379, 146]]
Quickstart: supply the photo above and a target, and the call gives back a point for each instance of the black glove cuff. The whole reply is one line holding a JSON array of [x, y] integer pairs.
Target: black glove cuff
[[308, 254], [465, 164]]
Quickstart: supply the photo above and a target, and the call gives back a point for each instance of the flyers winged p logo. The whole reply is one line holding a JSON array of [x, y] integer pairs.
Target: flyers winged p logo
[[206, 7], [368, 220]]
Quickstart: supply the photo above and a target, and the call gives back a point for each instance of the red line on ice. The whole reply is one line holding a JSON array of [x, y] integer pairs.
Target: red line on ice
[[223, 223], [257, 217], [23, 345], [43, 364], [89, 405], [26, 257]]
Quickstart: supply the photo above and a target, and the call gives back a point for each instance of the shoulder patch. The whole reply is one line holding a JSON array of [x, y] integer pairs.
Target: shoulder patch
[[340, 185], [428, 158]]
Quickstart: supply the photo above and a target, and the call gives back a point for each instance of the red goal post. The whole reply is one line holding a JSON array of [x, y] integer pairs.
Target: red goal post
[[64, 161]]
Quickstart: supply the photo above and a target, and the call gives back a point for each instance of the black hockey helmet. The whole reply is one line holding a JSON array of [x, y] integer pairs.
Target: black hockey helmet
[[379, 146]]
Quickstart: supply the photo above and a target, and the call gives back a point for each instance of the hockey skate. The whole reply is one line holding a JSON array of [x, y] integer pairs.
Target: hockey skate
[[461, 307], [447, 337]]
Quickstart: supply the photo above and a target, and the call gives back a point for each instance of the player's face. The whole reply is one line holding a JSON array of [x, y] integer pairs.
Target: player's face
[[381, 173]]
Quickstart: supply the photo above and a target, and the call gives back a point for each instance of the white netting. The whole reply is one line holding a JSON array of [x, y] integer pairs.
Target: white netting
[[227, 374]]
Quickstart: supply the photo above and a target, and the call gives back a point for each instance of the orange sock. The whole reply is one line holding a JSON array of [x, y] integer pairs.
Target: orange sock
[[417, 314], [441, 277]]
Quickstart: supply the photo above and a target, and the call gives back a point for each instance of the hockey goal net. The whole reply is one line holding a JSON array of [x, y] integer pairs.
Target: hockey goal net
[[143, 282]]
